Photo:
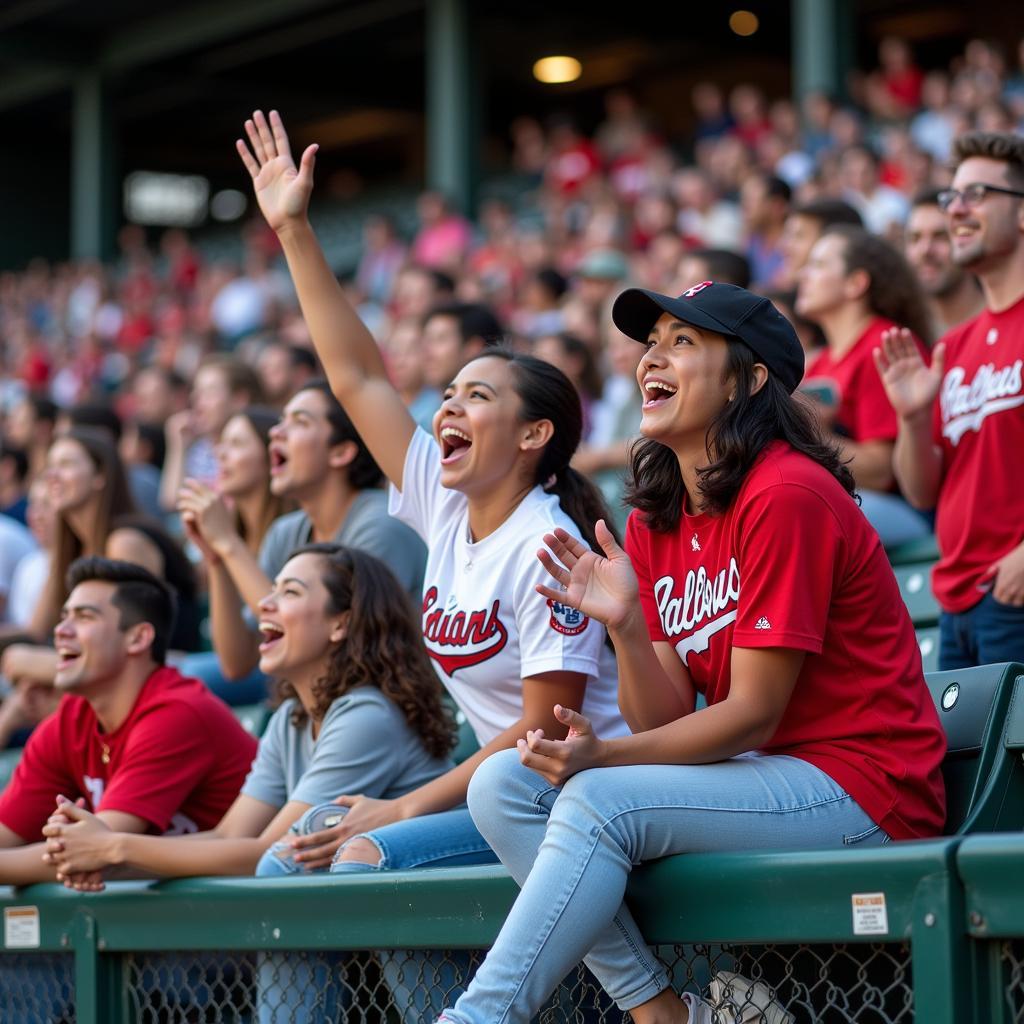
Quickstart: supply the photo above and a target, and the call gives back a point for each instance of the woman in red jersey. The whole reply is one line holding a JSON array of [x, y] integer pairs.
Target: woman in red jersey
[[749, 576]]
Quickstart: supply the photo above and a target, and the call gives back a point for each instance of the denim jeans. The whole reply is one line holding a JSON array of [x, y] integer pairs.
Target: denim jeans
[[571, 851], [422, 982], [987, 634], [205, 666], [296, 988]]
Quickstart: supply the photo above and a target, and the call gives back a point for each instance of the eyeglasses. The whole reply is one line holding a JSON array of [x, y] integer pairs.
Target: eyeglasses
[[973, 195]]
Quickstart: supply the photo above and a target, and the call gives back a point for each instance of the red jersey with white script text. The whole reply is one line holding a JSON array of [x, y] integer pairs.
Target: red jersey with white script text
[[979, 425], [863, 412], [177, 761], [793, 563]]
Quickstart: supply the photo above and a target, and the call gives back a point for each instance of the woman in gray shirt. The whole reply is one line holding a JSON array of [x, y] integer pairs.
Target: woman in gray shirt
[[364, 714]]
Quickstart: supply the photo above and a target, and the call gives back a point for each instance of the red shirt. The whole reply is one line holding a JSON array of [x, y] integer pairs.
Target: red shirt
[[979, 425], [864, 412], [793, 563], [178, 760]]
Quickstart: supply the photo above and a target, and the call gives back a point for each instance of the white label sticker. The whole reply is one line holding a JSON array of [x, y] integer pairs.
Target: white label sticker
[[869, 915], [21, 927]]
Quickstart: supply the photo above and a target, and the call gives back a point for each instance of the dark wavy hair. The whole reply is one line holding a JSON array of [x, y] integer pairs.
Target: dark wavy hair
[[382, 648], [363, 471], [736, 438], [894, 291], [545, 393]]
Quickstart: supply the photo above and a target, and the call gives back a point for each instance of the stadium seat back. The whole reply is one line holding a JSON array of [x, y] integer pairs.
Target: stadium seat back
[[916, 590], [973, 707], [1000, 805], [252, 718], [928, 644], [466, 745], [8, 762], [923, 549]]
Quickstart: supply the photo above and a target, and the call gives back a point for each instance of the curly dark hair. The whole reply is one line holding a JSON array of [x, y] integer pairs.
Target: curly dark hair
[[383, 646], [736, 439], [894, 291]]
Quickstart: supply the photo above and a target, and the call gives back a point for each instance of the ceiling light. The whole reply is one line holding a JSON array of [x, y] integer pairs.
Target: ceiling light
[[557, 70], [743, 23]]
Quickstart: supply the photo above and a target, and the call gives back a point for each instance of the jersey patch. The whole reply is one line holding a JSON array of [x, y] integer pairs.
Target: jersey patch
[[762, 623], [567, 621]]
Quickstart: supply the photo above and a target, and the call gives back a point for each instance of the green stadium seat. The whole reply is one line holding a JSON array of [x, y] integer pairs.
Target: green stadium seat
[[253, 718], [928, 642], [466, 745], [915, 588], [924, 549], [981, 711], [8, 762]]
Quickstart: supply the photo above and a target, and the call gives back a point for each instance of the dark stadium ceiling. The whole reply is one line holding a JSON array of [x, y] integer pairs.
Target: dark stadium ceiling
[[182, 75]]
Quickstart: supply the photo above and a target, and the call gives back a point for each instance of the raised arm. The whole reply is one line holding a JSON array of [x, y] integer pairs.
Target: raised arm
[[912, 388], [348, 351]]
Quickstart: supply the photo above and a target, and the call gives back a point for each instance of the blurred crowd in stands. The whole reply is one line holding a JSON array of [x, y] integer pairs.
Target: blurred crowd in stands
[[162, 368]]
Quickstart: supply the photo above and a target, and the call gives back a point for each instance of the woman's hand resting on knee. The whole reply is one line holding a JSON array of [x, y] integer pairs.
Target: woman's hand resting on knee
[[559, 760]]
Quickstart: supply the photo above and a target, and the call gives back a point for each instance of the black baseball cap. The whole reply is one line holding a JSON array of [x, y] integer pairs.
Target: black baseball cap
[[726, 309]]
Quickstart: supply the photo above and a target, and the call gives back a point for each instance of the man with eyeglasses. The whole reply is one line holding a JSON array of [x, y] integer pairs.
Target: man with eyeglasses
[[961, 454]]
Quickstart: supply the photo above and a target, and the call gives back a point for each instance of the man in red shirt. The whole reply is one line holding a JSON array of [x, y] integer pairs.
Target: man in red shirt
[[961, 453], [145, 748]]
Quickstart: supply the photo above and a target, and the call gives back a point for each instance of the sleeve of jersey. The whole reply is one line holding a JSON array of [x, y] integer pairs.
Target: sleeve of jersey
[[31, 795], [266, 778], [357, 753], [552, 637], [166, 758], [789, 547], [637, 544], [416, 504]]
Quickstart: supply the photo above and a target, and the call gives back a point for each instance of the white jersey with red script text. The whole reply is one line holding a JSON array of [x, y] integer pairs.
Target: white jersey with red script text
[[484, 625]]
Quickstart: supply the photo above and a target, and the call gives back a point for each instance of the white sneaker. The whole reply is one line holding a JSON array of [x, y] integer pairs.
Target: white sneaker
[[738, 1000], [700, 1011]]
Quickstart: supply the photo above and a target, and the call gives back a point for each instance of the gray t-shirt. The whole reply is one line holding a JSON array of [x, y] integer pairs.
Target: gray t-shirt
[[367, 527], [365, 746]]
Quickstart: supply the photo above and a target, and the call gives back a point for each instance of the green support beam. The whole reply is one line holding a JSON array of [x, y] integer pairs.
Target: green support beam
[[822, 46], [93, 186], [452, 96]]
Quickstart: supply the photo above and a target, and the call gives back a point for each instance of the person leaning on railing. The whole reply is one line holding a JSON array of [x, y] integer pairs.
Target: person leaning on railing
[[751, 576]]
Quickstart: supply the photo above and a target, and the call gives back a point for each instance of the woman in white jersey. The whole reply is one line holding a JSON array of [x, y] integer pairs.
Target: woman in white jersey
[[481, 492]]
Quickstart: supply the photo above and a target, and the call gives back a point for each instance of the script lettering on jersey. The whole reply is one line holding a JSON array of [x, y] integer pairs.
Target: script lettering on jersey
[[458, 639], [702, 610], [966, 406]]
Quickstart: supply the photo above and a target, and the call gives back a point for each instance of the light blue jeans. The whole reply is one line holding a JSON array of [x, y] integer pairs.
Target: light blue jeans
[[296, 989], [422, 982], [571, 851]]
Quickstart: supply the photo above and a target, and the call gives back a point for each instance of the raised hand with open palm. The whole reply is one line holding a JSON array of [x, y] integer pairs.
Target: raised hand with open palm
[[910, 384], [282, 189], [605, 588]]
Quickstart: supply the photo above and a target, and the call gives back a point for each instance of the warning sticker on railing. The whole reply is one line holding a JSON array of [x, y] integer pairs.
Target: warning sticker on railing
[[21, 927], [869, 914]]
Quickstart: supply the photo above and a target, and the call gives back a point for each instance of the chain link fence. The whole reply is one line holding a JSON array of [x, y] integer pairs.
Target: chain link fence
[[1012, 959], [774, 984], [37, 988]]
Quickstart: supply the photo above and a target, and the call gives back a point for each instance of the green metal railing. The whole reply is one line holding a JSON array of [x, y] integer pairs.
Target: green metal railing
[[191, 950]]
